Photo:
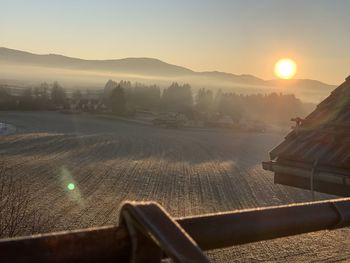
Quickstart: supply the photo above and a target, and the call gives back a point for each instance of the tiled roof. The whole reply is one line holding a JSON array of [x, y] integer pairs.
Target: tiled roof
[[323, 136]]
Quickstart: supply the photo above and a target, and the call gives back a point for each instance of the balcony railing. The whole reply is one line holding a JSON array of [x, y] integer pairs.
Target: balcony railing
[[147, 233]]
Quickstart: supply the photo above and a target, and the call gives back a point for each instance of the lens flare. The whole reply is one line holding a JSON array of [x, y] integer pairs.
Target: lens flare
[[71, 186]]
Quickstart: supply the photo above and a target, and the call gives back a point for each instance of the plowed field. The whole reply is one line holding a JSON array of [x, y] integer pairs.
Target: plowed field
[[188, 171]]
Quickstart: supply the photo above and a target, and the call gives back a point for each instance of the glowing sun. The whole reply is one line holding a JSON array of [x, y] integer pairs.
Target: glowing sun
[[285, 68]]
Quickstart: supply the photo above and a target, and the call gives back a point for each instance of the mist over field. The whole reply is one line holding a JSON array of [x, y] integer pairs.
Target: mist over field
[[18, 67]]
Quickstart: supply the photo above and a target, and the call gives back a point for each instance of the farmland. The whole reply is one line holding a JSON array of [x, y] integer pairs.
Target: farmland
[[188, 171]]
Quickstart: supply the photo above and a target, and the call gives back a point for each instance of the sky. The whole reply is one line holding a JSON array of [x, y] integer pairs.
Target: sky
[[236, 36]]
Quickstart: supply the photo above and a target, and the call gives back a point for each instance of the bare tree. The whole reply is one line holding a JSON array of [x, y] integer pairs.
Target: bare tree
[[16, 217], [58, 94]]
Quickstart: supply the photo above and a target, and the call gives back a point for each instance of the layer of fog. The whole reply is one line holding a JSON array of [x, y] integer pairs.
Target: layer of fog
[[24, 75]]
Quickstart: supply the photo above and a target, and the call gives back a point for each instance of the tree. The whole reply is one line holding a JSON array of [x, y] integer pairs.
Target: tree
[[232, 104], [6, 100], [41, 96], [28, 93], [16, 214], [143, 97], [177, 97], [41, 92], [77, 95], [58, 94], [107, 91], [118, 101], [204, 101], [27, 100]]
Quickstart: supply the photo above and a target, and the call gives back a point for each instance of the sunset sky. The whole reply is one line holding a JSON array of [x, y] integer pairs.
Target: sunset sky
[[241, 37]]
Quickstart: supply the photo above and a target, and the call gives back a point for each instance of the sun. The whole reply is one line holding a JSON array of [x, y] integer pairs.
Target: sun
[[285, 68]]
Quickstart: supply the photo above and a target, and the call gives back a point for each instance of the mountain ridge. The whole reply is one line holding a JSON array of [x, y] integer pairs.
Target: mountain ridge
[[153, 69]]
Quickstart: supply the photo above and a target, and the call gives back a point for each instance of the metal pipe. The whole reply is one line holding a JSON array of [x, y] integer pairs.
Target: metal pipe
[[326, 176], [102, 244], [240, 227], [326, 180], [209, 232]]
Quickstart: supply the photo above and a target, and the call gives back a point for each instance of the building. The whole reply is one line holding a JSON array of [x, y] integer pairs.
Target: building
[[316, 154]]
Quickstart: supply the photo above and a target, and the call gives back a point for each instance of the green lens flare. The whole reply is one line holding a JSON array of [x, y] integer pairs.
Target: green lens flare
[[71, 186]]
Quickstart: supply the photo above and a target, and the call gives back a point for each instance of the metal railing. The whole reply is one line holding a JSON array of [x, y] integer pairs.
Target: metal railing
[[146, 233]]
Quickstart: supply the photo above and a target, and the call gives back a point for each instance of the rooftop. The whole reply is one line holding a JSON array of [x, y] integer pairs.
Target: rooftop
[[318, 144]]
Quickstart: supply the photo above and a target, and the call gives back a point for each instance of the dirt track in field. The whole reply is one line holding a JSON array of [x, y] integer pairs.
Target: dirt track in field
[[187, 171]]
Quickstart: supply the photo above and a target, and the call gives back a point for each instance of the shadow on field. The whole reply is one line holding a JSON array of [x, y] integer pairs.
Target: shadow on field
[[191, 148]]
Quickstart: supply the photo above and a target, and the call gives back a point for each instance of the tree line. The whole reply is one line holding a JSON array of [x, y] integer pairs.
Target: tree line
[[44, 97], [204, 104], [125, 98]]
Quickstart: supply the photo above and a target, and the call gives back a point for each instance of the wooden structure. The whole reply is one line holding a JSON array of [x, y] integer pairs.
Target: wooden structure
[[316, 154]]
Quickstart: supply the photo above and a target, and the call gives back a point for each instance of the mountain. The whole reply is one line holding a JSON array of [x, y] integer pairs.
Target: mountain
[[25, 67], [134, 65]]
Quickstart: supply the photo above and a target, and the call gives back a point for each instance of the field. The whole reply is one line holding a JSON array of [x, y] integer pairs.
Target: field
[[188, 171]]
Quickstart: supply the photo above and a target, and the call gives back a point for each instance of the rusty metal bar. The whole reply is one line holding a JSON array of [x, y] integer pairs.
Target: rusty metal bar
[[102, 244], [240, 227], [208, 231], [154, 233]]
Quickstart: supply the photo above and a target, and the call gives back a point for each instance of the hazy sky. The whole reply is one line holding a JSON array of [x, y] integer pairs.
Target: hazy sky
[[237, 36]]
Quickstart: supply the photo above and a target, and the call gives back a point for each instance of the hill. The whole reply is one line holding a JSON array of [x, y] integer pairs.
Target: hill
[[20, 66]]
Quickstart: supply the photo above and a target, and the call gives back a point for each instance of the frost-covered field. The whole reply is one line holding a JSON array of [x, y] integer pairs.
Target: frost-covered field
[[187, 171]]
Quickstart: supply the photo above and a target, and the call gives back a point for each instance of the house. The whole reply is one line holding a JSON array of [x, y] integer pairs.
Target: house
[[225, 121], [316, 154], [252, 125], [221, 121]]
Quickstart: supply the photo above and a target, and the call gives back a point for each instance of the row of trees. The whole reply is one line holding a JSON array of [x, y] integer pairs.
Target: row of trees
[[271, 107], [45, 96], [205, 104], [124, 97]]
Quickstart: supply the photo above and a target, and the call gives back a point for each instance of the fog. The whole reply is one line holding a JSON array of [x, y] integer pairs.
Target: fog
[[30, 75]]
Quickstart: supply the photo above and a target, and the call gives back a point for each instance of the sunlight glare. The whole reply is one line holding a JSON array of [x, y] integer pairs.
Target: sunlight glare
[[285, 68]]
